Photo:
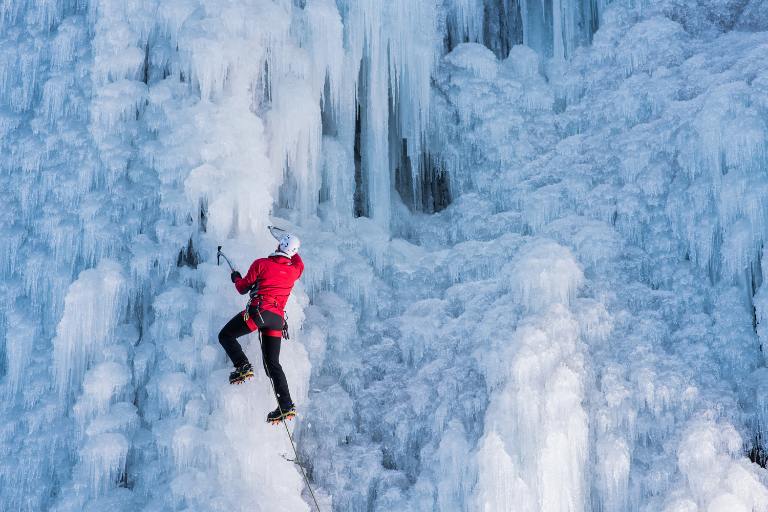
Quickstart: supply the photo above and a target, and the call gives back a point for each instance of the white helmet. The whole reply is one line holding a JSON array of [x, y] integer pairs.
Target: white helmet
[[289, 245]]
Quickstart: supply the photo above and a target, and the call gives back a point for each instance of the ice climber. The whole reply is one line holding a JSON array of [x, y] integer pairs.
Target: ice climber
[[269, 282]]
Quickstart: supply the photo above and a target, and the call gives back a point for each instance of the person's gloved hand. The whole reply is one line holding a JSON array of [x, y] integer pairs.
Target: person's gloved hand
[[235, 275]]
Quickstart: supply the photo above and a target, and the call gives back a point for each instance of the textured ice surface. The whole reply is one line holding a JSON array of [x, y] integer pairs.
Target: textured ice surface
[[578, 328]]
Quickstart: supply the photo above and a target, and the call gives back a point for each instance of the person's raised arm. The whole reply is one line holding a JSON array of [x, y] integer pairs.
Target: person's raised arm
[[243, 284], [298, 263]]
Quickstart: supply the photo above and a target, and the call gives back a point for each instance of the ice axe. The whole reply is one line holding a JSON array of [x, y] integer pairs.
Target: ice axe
[[220, 255], [277, 233]]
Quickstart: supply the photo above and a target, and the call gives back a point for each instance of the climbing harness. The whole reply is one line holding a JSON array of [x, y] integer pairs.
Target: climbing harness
[[285, 327], [290, 437], [257, 302]]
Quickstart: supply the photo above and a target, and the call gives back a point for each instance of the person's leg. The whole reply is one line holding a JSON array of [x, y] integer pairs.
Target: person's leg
[[228, 339], [270, 351]]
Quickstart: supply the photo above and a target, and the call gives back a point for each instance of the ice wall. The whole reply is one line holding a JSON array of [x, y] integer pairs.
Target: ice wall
[[603, 160], [580, 329], [137, 136], [553, 28]]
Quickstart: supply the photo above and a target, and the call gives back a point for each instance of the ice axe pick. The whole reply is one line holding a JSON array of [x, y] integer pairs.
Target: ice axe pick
[[220, 255]]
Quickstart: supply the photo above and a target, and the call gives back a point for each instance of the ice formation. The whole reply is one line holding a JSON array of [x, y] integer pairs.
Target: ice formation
[[534, 234]]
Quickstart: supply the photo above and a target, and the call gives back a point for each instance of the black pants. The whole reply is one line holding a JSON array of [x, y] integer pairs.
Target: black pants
[[270, 349]]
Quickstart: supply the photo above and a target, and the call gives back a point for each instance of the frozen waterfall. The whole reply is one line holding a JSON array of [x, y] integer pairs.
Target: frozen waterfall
[[534, 234]]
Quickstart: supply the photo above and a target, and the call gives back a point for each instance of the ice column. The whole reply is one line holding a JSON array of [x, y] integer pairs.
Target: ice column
[[534, 452], [391, 51], [92, 309]]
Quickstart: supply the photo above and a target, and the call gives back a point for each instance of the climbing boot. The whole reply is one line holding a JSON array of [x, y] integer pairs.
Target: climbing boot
[[281, 413], [241, 374]]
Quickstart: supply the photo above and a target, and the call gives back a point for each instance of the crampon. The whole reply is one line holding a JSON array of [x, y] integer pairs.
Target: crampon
[[281, 414], [241, 374]]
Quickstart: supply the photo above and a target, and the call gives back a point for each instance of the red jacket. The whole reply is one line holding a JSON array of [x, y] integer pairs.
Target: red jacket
[[275, 277]]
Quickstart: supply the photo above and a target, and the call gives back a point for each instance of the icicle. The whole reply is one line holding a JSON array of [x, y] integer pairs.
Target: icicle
[[190, 447], [102, 385], [498, 489], [117, 41], [121, 417], [466, 18], [393, 48], [377, 179], [116, 103], [613, 465], [559, 30], [173, 15], [91, 312], [338, 168], [296, 128], [19, 340], [173, 391], [326, 43], [55, 101], [536, 424], [366, 37], [69, 40], [705, 457], [103, 460], [544, 273], [455, 469]]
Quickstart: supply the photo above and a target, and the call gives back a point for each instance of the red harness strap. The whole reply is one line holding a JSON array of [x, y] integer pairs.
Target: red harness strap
[[249, 322], [252, 326]]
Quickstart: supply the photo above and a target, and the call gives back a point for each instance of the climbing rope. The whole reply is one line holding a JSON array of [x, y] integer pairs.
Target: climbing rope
[[290, 437]]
